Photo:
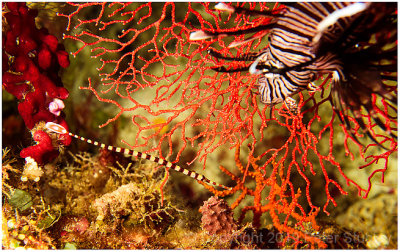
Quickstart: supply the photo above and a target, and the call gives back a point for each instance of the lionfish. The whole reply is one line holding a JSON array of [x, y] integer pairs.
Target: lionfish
[[356, 43]]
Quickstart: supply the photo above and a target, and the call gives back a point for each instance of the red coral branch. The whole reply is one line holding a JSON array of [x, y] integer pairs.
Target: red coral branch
[[156, 72]]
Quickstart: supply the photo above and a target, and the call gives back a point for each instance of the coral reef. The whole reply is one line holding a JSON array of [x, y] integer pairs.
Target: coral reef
[[132, 214], [157, 93], [163, 74]]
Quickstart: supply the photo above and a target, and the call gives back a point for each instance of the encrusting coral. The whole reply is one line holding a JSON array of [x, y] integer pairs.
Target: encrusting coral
[[217, 217]]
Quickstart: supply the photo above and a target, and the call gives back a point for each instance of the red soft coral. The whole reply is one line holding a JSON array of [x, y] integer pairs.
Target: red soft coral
[[34, 57], [14, 84]]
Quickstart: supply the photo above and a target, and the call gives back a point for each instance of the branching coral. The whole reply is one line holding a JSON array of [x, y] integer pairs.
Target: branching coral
[[282, 198], [151, 70]]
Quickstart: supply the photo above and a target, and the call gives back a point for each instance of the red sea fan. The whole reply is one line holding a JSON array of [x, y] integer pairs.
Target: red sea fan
[[151, 70]]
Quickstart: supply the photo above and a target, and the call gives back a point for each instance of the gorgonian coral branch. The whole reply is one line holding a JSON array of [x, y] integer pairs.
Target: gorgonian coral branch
[[155, 72]]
